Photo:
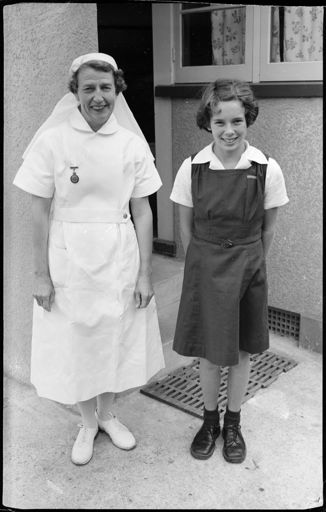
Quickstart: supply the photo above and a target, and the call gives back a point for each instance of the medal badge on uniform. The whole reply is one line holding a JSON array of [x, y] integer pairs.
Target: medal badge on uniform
[[74, 178]]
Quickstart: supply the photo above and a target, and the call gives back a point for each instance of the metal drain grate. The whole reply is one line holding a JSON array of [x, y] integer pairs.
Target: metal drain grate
[[182, 390], [284, 322]]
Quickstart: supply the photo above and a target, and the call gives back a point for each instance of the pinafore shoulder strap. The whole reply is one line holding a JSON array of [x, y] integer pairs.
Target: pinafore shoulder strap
[[261, 168]]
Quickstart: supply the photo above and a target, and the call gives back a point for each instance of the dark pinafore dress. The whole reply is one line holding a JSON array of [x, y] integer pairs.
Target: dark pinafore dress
[[223, 305]]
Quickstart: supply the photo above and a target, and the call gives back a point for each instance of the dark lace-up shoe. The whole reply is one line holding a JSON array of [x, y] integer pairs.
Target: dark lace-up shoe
[[203, 444], [234, 448]]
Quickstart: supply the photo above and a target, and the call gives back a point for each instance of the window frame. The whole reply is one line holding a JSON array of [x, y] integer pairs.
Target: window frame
[[284, 71], [208, 73], [257, 67]]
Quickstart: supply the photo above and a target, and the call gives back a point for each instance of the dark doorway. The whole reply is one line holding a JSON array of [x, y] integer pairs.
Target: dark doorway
[[125, 32]]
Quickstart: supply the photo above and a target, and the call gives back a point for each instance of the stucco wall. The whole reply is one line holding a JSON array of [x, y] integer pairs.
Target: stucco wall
[[40, 42], [290, 130]]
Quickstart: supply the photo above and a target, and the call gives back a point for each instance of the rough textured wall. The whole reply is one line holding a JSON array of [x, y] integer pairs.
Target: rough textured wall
[[290, 130], [40, 42]]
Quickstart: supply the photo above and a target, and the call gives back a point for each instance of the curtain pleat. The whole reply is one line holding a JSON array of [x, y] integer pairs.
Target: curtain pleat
[[228, 36], [303, 34]]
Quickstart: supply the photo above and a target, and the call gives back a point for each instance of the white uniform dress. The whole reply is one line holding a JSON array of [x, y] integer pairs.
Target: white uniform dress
[[94, 340]]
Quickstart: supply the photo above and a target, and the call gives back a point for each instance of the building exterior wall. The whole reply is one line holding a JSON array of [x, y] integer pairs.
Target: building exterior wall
[[40, 42], [289, 130]]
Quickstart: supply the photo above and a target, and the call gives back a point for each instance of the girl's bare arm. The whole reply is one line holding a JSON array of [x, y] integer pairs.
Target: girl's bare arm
[[186, 219], [269, 225]]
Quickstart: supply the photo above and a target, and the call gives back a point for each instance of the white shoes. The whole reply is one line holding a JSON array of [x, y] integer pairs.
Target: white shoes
[[82, 451], [119, 433]]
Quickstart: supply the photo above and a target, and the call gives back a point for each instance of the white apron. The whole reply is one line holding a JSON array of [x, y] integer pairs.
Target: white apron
[[94, 339]]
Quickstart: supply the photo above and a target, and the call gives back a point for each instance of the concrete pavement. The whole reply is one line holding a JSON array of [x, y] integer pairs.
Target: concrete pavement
[[282, 426]]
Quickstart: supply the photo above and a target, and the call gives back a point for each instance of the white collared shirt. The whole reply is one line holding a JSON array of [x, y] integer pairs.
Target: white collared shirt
[[275, 192], [78, 122]]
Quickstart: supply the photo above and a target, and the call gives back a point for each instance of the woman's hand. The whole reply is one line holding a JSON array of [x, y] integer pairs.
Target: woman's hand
[[44, 291], [143, 291], [143, 221], [43, 286]]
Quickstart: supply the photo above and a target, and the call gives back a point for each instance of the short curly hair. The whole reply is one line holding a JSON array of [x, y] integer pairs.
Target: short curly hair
[[119, 81], [226, 90]]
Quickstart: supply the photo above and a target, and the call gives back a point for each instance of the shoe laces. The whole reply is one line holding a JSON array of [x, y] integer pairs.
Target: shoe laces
[[210, 425], [83, 434], [232, 434], [108, 413], [120, 425]]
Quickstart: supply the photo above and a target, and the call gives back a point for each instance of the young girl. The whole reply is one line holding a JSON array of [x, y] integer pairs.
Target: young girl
[[228, 195]]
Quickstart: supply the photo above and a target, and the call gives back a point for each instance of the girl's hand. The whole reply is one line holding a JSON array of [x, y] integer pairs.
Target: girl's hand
[[143, 291], [44, 291]]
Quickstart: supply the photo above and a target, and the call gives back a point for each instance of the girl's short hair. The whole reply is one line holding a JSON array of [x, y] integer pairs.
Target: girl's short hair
[[226, 90], [119, 82]]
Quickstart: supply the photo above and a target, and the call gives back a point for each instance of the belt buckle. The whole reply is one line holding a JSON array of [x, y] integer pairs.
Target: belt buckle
[[226, 244]]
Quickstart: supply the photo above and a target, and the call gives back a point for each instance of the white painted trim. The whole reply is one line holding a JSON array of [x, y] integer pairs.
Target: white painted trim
[[257, 67], [256, 44], [283, 71], [163, 139], [203, 74], [212, 7], [162, 19]]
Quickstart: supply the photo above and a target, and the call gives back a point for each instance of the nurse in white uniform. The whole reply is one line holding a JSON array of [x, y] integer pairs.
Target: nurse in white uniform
[[95, 325]]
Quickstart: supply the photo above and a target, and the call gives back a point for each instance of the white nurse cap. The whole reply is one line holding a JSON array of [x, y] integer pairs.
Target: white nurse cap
[[103, 57]]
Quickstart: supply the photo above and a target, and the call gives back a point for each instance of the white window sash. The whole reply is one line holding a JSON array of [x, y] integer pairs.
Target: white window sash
[[203, 74], [282, 71]]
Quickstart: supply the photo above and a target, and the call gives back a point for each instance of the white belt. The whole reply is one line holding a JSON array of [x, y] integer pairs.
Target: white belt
[[91, 215]]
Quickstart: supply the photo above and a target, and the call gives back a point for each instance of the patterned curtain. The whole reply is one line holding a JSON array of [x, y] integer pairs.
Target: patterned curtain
[[297, 34], [228, 36]]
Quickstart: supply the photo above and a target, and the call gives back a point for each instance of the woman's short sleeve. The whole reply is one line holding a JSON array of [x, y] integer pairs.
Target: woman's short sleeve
[[36, 174], [181, 192], [275, 190], [147, 179]]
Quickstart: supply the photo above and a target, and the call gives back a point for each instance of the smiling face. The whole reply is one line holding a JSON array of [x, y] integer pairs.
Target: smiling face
[[96, 94], [229, 129]]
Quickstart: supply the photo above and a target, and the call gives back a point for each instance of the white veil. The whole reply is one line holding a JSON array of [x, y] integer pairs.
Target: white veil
[[68, 103]]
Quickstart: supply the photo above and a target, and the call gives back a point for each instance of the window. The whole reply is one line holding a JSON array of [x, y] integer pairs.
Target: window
[[293, 48], [212, 35], [255, 43]]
